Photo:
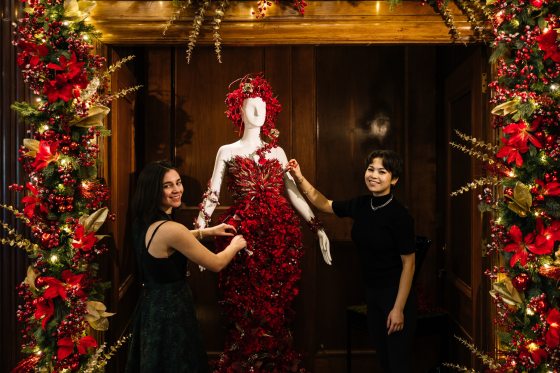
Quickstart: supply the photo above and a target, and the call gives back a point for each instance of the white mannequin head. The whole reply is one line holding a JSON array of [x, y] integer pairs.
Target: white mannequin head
[[253, 112]]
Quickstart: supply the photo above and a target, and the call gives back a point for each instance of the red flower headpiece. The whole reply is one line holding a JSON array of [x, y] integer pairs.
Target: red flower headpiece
[[249, 87]]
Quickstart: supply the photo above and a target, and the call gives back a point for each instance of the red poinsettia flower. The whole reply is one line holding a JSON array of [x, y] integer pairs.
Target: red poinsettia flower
[[547, 237], [520, 134], [519, 245], [537, 3], [549, 189], [512, 153], [538, 354], [44, 311], [82, 240], [32, 202], [31, 54], [68, 81], [66, 346], [74, 282], [55, 288], [549, 45], [46, 154], [552, 337]]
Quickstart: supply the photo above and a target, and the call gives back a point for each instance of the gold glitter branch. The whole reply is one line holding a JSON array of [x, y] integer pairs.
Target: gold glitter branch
[[473, 153], [18, 214], [98, 360], [124, 92], [216, 28], [182, 6], [117, 65], [197, 24], [477, 183], [477, 143]]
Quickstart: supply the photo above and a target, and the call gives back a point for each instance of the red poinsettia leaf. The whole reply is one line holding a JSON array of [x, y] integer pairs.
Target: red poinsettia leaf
[[85, 343], [65, 348]]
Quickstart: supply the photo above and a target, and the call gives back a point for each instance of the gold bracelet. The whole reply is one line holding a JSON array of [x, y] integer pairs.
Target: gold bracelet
[[306, 192], [200, 234]]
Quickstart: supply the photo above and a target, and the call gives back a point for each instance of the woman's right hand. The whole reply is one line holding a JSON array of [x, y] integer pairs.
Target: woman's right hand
[[294, 169], [238, 243]]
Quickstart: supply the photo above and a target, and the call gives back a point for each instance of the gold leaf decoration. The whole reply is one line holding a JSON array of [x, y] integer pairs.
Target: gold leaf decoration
[[97, 317], [506, 108], [94, 119], [521, 201], [94, 221], [32, 145], [507, 292]]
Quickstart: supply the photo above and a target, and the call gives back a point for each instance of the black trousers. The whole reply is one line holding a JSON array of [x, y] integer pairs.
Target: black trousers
[[395, 350]]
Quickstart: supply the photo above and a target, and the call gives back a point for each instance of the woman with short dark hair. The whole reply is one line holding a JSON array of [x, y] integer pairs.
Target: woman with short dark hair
[[383, 232]]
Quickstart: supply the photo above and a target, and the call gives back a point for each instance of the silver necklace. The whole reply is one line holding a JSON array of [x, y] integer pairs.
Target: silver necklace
[[375, 208]]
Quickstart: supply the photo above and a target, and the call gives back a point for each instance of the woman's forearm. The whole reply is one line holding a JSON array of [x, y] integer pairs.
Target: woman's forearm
[[405, 285], [316, 198]]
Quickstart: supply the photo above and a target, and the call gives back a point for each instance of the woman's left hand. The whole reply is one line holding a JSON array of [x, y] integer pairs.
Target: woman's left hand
[[395, 321], [223, 230]]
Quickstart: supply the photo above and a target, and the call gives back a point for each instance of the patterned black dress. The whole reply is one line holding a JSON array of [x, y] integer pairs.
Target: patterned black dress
[[165, 336]]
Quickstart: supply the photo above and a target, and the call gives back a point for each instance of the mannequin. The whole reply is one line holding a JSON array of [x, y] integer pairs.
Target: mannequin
[[259, 287], [253, 114]]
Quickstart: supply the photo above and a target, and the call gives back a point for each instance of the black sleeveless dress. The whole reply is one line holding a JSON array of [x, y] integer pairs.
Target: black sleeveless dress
[[165, 336]]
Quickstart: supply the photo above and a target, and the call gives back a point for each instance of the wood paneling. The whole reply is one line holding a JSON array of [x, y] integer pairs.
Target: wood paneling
[[13, 262], [333, 98], [324, 22]]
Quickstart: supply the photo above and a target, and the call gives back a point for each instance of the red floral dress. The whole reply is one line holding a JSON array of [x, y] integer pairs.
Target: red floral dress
[[259, 285]]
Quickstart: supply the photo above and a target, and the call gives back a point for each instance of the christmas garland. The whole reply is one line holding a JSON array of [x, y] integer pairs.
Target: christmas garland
[[65, 201], [525, 229]]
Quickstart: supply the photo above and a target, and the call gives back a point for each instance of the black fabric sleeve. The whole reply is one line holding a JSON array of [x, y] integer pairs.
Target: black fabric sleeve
[[344, 209]]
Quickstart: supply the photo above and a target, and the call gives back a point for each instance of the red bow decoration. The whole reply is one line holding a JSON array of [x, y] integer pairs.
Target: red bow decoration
[[66, 346]]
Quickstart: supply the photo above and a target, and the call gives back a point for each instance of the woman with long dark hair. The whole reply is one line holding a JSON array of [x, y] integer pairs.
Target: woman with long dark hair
[[165, 335]]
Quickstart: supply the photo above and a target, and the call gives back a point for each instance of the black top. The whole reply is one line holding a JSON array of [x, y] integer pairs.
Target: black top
[[152, 269], [380, 236]]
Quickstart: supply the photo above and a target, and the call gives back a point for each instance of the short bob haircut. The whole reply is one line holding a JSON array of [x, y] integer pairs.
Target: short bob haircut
[[149, 191], [391, 160]]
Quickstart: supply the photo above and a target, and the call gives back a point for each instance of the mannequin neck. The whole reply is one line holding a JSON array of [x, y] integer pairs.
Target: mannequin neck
[[251, 136]]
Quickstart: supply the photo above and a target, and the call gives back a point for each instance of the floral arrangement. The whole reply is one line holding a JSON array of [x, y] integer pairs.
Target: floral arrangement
[[64, 206], [249, 87], [259, 286], [525, 229]]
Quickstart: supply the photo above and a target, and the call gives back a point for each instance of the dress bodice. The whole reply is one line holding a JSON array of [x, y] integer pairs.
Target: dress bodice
[[249, 180]]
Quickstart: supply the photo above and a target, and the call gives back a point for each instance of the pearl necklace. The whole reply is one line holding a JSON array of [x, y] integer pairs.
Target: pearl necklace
[[375, 208]]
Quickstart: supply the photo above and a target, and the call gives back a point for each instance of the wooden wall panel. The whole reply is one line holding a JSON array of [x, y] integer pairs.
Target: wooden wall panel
[[336, 100], [13, 262]]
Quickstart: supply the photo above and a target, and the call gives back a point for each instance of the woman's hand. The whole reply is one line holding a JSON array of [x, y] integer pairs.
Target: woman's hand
[[294, 169], [222, 230], [395, 321], [238, 243], [324, 244]]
